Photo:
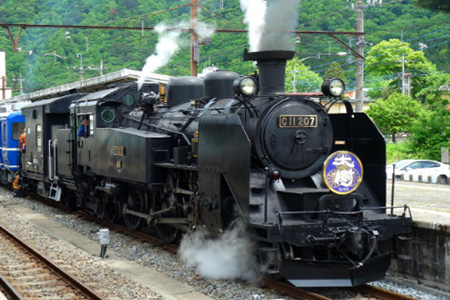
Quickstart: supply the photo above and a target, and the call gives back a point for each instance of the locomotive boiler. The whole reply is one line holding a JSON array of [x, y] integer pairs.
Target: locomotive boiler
[[309, 186]]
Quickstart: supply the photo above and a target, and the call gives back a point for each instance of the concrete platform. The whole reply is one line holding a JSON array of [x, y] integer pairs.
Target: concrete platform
[[429, 246]]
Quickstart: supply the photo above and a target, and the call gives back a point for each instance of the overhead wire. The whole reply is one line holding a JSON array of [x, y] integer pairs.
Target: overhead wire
[[7, 15], [217, 16]]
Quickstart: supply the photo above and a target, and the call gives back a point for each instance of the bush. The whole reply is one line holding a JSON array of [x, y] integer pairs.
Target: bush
[[399, 151], [431, 133]]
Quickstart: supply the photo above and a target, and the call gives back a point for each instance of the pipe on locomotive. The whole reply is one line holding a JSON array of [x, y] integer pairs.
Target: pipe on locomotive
[[272, 69]]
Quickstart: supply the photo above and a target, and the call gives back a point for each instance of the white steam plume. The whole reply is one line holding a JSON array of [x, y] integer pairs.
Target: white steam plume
[[205, 30], [168, 44], [281, 18], [226, 257], [270, 23], [255, 11]]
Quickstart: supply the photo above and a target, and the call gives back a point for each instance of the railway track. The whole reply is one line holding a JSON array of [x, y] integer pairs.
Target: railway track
[[366, 291], [27, 274]]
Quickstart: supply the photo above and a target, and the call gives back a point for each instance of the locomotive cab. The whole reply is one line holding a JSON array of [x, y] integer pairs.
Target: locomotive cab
[[43, 119]]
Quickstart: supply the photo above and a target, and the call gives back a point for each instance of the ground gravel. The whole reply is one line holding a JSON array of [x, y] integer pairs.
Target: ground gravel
[[89, 269], [95, 271], [128, 248]]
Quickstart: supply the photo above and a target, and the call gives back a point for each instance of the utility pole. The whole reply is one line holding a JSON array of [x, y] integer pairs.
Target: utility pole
[[359, 96], [403, 67], [100, 68], [20, 80], [3, 87], [80, 55], [194, 39]]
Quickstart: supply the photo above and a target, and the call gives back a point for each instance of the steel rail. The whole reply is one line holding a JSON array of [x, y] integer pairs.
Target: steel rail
[[381, 293], [265, 282], [292, 290], [10, 291], [74, 282], [125, 230], [268, 283]]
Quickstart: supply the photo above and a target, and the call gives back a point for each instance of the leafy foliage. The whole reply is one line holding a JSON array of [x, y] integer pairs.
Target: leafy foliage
[[305, 79], [436, 90], [395, 114], [386, 58], [128, 49], [430, 133], [399, 151], [436, 5], [335, 70]]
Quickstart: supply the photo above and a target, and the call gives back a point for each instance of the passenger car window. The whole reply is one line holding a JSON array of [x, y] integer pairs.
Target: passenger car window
[[4, 133], [17, 130]]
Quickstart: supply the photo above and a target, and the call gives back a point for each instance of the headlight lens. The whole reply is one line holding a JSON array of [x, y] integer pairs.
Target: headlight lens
[[245, 85], [333, 87]]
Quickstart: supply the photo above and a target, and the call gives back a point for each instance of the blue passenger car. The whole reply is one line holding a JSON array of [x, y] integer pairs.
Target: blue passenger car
[[11, 128], [3, 117]]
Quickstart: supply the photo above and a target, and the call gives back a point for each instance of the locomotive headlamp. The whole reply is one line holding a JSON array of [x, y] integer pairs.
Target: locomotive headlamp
[[333, 87], [246, 86]]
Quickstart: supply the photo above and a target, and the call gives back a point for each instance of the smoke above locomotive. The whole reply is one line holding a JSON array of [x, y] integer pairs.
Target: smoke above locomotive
[[169, 43], [270, 23], [269, 27]]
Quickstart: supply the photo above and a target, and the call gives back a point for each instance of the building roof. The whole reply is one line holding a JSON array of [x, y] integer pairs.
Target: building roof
[[90, 85]]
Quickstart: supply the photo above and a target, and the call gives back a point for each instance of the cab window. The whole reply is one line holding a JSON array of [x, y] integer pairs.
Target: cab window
[[91, 126], [85, 126], [38, 137]]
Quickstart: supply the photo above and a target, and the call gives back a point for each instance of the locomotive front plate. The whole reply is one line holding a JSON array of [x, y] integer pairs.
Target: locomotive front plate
[[297, 121], [343, 172]]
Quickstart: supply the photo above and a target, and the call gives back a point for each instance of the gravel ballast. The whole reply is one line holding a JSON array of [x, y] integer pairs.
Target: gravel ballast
[[90, 268]]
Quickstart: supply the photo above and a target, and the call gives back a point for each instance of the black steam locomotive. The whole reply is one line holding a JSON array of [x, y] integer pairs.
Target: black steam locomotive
[[309, 186]]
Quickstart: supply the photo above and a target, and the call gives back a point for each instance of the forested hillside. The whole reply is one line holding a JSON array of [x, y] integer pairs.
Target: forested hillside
[[119, 49]]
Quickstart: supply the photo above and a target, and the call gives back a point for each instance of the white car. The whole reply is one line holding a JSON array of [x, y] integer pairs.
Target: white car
[[437, 171]]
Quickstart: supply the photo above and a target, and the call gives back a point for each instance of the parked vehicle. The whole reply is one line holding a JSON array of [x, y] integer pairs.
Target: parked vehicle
[[432, 170]]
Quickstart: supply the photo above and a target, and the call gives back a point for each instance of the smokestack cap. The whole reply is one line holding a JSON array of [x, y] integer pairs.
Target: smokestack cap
[[268, 55]]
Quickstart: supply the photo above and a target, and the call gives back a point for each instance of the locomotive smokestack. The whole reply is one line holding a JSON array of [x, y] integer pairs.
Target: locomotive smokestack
[[272, 69]]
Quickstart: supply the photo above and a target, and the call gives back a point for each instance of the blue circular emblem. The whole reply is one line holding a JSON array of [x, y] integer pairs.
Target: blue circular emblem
[[343, 172]]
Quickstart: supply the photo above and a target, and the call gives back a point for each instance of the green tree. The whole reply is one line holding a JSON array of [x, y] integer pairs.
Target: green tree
[[335, 70], [305, 79], [395, 114], [129, 49], [436, 90], [386, 57], [430, 133], [435, 5]]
